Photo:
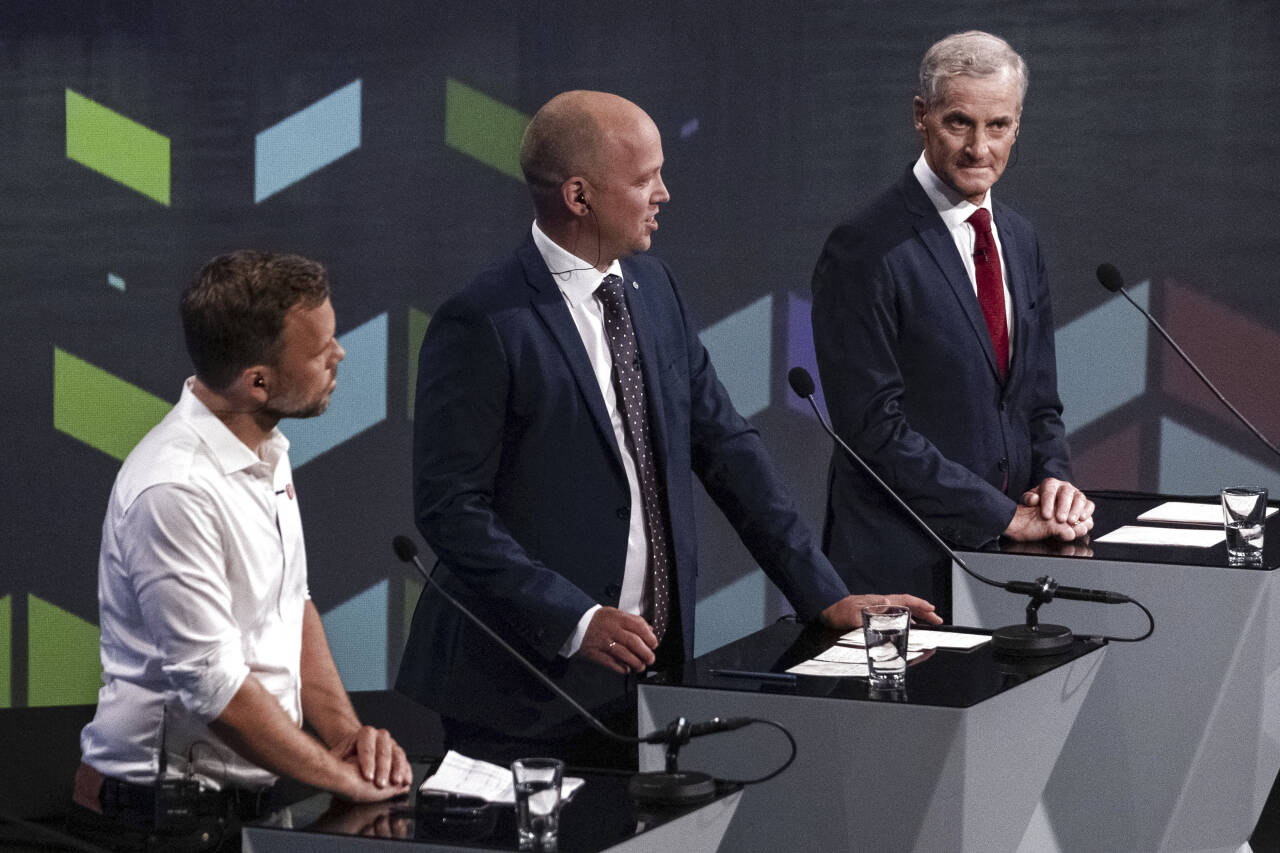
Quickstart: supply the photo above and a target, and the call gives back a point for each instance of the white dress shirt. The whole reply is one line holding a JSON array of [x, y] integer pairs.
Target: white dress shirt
[[202, 580], [955, 211], [578, 280]]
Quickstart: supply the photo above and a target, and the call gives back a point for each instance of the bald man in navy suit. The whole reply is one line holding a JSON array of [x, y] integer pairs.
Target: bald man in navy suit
[[531, 475]]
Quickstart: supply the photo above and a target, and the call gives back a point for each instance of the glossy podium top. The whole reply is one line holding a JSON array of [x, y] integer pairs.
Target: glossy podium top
[[599, 816], [1116, 509], [941, 678]]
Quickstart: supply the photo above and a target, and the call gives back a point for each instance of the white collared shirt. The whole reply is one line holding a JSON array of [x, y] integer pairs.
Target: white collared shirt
[[955, 212], [202, 580], [578, 280]]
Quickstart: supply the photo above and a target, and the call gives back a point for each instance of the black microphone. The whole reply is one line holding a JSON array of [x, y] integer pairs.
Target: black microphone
[[1031, 639], [669, 787], [1110, 278]]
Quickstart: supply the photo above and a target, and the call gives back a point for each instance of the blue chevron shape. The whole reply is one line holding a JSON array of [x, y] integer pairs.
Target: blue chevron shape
[[357, 634], [1194, 464], [741, 348], [1102, 358], [730, 613], [359, 402], [306, 141]]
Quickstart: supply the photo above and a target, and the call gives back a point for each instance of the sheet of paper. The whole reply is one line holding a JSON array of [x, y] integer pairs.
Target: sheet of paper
[[458, 774], [1182, 537], [841, 661], [925, 638], [1186, 512]]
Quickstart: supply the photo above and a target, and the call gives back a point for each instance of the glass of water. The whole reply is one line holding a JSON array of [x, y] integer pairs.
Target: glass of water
[[1244, 512], [537, 783], [885, 627]]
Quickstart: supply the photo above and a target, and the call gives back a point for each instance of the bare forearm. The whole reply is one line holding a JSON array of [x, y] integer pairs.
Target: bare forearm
[[256, 727], [325, 705]]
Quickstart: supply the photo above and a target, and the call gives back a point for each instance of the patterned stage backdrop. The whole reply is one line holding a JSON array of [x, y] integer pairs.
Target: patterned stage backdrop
[[140, 139]]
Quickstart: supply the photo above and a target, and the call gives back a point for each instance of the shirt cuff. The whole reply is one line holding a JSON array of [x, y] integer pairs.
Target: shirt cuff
[[571, 645]]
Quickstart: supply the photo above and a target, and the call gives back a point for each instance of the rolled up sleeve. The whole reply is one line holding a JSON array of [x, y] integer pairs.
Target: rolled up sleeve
[[177, 567]]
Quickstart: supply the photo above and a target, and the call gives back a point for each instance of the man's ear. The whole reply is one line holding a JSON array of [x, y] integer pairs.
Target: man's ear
[[256, 382], [576, 194], [918, 110]]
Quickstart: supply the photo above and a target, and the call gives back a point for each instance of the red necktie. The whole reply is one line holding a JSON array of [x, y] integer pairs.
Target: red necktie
[[986, 267]]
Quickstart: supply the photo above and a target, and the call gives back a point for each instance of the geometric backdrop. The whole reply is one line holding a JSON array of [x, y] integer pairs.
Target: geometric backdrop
[[380, 139]]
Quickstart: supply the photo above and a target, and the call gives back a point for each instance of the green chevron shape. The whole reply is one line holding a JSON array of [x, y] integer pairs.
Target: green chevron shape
[[63, 666], [418, 322], [100, 409], [484, 128], [117, 147], [6, 651]]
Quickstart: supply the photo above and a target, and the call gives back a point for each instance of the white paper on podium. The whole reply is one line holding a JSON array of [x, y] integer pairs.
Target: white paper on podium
[[1187, 512], [925, 638], [1180, 537], [471, 777], [841, 661]]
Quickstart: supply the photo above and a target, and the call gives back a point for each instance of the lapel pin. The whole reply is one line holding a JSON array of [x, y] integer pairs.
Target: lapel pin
[[635, 285]]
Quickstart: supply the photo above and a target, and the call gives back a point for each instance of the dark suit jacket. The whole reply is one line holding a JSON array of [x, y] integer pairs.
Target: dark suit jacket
[[910, 380], [519, 489]]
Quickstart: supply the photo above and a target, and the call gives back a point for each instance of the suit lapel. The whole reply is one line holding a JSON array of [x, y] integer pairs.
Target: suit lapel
[[549, 304], [1019, 269], [937, 239]]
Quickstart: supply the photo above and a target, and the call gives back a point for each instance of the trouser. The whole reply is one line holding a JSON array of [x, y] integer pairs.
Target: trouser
[[124, 816]]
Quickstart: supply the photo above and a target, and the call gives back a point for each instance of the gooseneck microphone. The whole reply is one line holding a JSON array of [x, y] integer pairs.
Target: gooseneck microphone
[[1029, 640], [1110, 278], [669, 787]]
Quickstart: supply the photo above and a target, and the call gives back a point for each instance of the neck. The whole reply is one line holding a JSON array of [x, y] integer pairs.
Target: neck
[[244, 417], [579, 238]]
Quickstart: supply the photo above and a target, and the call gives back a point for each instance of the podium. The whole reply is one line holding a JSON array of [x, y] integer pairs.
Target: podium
[[958, 764], [1175, 748], [599, 818]]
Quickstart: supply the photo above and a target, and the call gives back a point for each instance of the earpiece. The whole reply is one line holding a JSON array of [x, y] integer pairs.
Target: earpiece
[[258, 383]]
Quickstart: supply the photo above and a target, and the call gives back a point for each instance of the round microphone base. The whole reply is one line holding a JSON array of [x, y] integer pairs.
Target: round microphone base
[[681, 788], [1031, 641]]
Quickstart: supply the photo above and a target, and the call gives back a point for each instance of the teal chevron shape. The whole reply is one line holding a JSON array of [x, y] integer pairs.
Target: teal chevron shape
[[1194, 464], [306, 141], [741, 348], [359, 402], [730, 612], [357, 634], [1102, 358]]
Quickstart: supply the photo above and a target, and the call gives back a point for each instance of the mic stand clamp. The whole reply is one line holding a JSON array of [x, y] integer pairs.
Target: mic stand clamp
[[673, 787], [1034, 639]]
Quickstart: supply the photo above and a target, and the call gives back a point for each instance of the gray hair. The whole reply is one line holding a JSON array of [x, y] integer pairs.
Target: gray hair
[[969, 54]]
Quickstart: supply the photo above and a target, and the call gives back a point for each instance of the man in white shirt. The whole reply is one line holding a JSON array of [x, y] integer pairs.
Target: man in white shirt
[[213, 654], [934, 336]]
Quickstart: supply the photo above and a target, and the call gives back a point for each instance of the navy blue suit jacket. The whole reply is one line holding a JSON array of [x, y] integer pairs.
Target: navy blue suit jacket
[[520, 491], [911, 383]]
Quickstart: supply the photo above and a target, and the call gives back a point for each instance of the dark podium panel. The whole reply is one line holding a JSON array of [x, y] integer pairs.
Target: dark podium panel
[[955, 764], [599, 818], [1175, 748]]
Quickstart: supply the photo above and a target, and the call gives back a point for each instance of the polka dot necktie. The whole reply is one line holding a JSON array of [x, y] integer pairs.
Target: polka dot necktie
[[986, 268], [629, 385]]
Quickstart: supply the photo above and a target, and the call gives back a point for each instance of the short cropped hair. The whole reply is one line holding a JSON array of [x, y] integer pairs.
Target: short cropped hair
[[969, 54], [562, 139], [233, 313]]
